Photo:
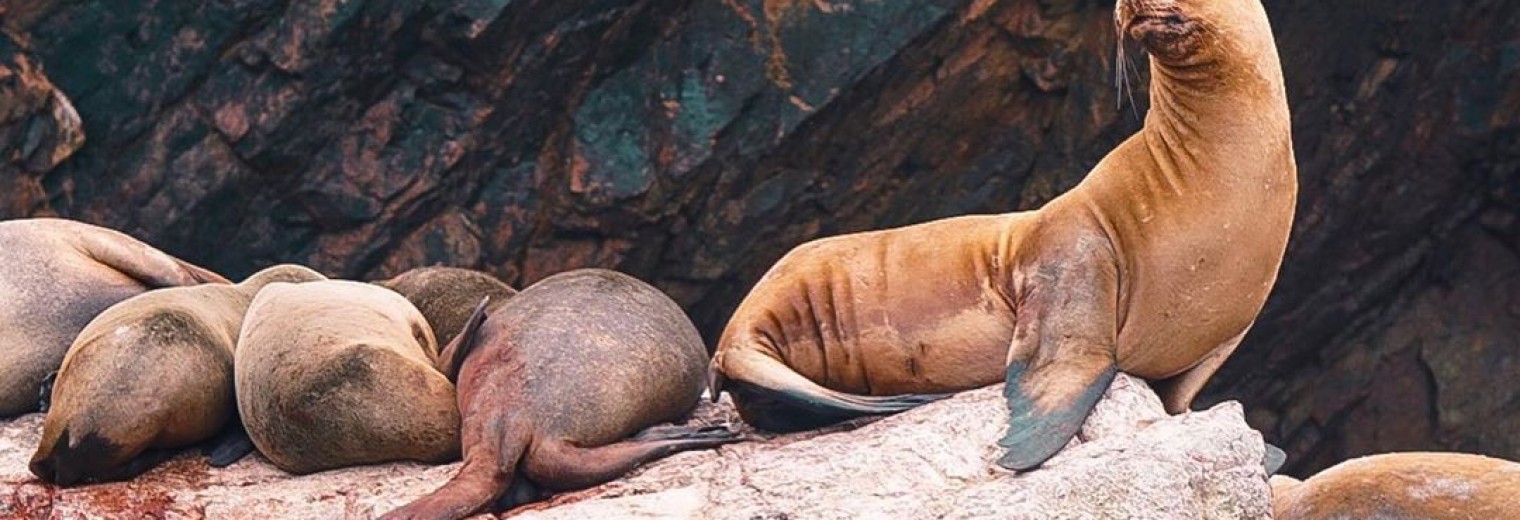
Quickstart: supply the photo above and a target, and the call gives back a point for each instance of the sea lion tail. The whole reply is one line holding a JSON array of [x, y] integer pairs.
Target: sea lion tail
[[767, 375], [464, 342]]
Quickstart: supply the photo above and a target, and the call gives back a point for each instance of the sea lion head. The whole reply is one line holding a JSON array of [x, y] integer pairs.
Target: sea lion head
[[288, 273], [1193, 34]]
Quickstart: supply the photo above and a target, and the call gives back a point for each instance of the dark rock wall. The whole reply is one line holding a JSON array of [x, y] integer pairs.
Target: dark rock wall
[[692, 143]]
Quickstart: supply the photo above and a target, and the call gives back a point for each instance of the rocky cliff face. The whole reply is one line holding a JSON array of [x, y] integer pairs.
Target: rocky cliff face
[[1130, 461], [692, 143]]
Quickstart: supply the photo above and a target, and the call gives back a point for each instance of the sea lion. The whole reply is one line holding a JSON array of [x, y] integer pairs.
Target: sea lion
[[447, 295], [56, 275], [1425, 486], [151, 374], [552, 384], [338, 373], [1156, 264]]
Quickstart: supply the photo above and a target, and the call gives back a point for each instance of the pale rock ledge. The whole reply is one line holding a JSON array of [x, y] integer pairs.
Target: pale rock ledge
[[1130, 461]]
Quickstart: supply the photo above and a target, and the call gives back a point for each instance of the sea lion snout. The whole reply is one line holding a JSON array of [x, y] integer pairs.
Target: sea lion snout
[[1164, 27], [71, 462]]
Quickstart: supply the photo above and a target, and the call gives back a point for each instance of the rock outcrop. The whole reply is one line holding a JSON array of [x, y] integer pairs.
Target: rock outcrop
[[691, 143], [1130, 461]]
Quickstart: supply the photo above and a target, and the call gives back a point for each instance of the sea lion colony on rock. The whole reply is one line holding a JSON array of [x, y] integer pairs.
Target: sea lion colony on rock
[[326, 373], [151, 373], [56, 275], [617, 355], [1156, 264]]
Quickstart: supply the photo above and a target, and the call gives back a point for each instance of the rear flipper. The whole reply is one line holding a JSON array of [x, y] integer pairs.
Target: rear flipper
[[771, 396], [1274, 459], [522, 491], [668, 432], [45, 393], [229, 447], [559, 465]]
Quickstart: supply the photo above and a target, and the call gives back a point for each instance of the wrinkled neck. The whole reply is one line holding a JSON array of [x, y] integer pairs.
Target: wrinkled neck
[[1209, 120]]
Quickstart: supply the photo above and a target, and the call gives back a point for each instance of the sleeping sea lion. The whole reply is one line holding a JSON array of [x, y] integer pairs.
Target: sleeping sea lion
[[1156, 264], [151, 374], [338, 373], [553, 383], [56, 275], [1424, 486], [447, 295]]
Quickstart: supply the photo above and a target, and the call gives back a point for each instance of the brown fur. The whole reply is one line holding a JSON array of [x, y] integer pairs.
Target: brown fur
[[337, 373], [151, 372], [1403, 486], [1156, 264], [558, 380], [56, 276], [447, 295]]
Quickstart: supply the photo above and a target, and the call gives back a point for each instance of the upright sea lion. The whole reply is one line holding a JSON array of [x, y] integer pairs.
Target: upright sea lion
[[553, 383], [150, 374], [1425, 486], [338, 373], [56, 275], [1156, 264], [447, 295]]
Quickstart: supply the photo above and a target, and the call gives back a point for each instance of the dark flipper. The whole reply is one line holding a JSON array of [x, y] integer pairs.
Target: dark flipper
[[141, 464], [773, 387], [522, 491], [231, 446], [1274, 459], [457, 350], [1062, 357], [559, 465], [1035, 433], [671, 432], [45, 393]]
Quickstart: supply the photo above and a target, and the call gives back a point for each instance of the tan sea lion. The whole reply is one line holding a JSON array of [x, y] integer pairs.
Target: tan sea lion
[[56, 275], [553, 383], [338, 373], [151, 374], [1156, 264], [447, 295], [1397, 486]]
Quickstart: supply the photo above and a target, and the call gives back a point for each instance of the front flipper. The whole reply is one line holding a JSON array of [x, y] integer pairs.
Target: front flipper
[[45, 393], [1036, 432], [1063, 356], [231, 446]]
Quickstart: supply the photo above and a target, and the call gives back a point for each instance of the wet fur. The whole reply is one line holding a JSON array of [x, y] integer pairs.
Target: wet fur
[[334, 373], [149, 374], [56, 276], [1425, 486], [556, 383], [446, 295], [1156, 264]]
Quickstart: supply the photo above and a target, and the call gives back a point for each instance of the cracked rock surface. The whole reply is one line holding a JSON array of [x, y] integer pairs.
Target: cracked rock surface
[[1131, 460]]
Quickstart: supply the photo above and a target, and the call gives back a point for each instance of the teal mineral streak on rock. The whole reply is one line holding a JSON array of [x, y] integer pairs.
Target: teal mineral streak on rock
[[827, 52], [609, 130]]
